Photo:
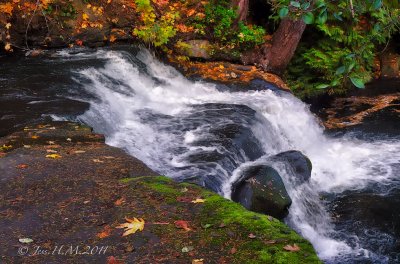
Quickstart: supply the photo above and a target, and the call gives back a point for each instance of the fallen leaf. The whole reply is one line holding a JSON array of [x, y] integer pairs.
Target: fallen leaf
[[34, 137], [8, 25], [119, 201], [51, 151], [105, 233], [113, 260], [251, 235], [25, 240], [53, 156], [69, 140], [85, 16], [205, 226], [199, 201], [233, 250], [132, 225], [184, 189], [51, 142], [22, 166], [97, 161], [187, 249], [112, 38], [291, 248], [182, 224], [27, 146], [197, 261], [79, 151], [7, 47], [222, 225]]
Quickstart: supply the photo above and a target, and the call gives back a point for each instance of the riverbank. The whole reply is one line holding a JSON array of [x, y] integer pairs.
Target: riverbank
[[62, 187]]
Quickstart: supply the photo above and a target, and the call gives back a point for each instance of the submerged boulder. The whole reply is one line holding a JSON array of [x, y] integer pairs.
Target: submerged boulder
[[299, 165], [262, 190]]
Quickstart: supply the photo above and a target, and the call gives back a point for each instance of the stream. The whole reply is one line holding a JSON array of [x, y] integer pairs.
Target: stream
[[208, 133]]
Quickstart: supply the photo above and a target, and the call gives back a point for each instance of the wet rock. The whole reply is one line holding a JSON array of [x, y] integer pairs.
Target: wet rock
[[262, 190], [196, 48], [295, 161]]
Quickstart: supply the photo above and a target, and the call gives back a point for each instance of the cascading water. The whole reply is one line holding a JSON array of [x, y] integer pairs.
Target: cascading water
[[201, 132]]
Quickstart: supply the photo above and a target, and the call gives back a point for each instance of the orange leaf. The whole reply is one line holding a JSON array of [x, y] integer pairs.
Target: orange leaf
[[182, 225], [6, 8], [22, 166], [190, 12], [119, 201], [105, 233], [112, 38]]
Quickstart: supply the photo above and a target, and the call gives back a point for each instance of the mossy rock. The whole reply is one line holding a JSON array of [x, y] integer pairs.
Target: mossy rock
[[220, 229], [261, 189]]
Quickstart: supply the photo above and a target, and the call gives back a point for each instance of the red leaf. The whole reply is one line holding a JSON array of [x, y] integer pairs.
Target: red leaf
[[113, 260], [182, 225]]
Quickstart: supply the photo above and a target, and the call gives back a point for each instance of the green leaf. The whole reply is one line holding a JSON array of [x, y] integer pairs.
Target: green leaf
[[351, 66], [338, 16], [295, 4], [357, 82], [319, 3], [322, 17], [377, 4], [283, 12], [305, 5], [322, 86], [340, 70], [308, 18]]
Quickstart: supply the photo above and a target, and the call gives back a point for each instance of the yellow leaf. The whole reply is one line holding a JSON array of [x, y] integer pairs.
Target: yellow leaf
[[8, 25], [85, 16], [132, 225], [53, 156], [197, 261], [7, 47], [34, 137], [198, 201]]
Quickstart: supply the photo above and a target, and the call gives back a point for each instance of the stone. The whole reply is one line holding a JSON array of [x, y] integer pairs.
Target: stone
[[262, 190], [299, 165]]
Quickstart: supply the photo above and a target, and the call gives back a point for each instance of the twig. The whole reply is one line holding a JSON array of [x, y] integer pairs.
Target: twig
[[29, 23]]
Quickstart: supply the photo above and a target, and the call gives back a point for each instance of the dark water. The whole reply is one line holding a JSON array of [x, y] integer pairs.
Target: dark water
[[233, 132]]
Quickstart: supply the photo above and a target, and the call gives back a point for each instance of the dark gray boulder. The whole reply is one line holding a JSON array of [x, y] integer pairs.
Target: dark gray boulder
[[261, 189], [299, 164]]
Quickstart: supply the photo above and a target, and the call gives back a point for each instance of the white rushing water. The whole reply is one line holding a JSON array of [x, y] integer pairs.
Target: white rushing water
[[142, 104]]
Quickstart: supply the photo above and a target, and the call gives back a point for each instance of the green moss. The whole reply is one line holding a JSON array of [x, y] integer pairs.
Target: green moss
[[271, 235]]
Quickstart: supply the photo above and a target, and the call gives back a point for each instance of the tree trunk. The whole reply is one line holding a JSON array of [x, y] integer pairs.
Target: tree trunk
[[284, 43], [275, 56], [242, 9]]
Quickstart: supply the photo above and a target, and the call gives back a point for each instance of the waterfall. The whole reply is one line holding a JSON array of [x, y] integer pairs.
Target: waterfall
[[181, 128]]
